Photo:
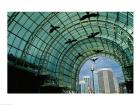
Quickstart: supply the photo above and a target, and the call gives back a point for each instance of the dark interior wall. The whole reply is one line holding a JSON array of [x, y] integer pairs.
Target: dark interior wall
[[22, 81], [129, 86], [129, 83]]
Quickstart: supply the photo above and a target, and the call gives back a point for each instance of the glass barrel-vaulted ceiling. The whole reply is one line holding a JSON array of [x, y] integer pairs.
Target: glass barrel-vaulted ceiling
[[60, 52]]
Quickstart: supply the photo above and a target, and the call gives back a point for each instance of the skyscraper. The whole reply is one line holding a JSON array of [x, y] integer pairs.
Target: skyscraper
[[107, 82], [87, 83], [82, 86]]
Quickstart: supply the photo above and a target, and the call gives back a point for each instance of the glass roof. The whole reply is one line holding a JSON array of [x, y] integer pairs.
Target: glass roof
[[58, 42]]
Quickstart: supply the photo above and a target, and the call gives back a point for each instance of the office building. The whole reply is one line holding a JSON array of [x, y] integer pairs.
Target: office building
[[107, 82]]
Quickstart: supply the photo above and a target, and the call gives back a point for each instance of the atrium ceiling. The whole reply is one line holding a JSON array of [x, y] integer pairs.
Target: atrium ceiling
[[58, 43]]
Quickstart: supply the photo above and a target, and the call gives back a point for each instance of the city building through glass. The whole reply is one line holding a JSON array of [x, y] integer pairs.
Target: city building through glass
[[46, 50]]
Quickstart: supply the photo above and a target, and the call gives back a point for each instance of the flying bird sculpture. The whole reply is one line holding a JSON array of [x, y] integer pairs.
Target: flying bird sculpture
[[88, 15], [70, 41], [53, 28], [94, 59], [98, 51], [93, 35], [79, 55]]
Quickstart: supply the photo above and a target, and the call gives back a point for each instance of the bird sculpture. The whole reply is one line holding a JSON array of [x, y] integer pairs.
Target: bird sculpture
[[53, 28]]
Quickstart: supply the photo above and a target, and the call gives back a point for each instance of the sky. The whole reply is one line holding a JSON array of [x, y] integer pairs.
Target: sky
[[102, 62]]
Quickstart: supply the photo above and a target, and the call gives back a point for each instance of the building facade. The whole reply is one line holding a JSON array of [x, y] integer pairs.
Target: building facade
[[107, 83], [82, 86], [85, 85]]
